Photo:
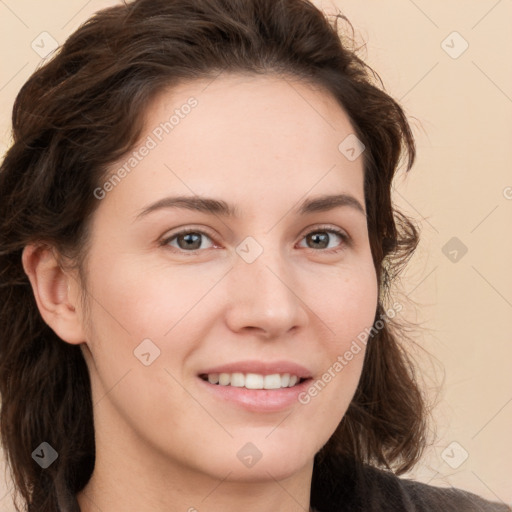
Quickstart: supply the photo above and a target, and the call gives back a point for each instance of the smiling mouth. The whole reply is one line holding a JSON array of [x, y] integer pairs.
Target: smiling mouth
[[253, 380]]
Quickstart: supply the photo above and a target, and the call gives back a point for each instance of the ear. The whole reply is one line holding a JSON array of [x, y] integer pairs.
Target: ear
[[55, 292]]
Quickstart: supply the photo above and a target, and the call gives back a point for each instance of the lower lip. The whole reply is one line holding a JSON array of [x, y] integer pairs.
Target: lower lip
[[258, 400]]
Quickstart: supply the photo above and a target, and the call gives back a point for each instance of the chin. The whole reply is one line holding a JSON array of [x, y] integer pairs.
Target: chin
[[263, 471], [253, 464]]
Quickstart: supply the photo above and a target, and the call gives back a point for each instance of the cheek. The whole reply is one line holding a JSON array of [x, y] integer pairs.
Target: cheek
[[135, 312], [348, 304], [349, 311], [146, 300], [141, 309]]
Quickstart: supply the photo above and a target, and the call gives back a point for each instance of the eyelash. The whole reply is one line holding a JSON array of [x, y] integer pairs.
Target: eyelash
[[321, 229]]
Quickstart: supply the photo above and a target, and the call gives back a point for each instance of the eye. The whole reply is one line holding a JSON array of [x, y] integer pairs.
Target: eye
[[321, 237], [188, 240]]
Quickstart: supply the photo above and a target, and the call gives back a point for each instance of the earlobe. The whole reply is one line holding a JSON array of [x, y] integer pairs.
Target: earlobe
[[52, 289]]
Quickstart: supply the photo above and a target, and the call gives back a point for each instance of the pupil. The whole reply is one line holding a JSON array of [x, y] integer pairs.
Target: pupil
[[188, 240], [316, 237]]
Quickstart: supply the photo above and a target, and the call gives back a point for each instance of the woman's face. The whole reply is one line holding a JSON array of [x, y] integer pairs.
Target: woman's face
[[268, 291]]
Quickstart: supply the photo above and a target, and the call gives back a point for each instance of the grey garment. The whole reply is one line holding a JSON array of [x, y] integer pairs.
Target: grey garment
[[367, 489], [424, 497]]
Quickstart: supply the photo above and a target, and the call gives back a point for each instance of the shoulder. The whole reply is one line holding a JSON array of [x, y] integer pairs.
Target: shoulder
[[426, 497], [369, 489]]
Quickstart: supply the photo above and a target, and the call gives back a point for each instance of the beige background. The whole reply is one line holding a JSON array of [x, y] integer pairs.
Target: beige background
[[461, 186]]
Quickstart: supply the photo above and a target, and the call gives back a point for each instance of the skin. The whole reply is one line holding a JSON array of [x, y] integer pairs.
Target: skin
[[263, 144]]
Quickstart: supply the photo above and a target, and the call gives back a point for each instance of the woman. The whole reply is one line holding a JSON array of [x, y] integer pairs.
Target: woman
[[197, 244]]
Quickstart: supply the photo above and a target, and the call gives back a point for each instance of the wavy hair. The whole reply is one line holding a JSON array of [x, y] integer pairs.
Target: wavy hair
[[81, 111]]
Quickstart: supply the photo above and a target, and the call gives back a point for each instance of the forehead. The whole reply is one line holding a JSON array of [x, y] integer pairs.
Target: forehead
[[241, 137], [247, 107]]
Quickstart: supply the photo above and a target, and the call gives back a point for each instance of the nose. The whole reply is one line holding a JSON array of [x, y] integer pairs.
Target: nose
[[265, 296]]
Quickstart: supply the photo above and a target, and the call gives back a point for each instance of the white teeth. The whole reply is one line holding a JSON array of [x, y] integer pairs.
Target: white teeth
[[272, 381], [224, 379], [238, 380], [254, 380], [213, 378]]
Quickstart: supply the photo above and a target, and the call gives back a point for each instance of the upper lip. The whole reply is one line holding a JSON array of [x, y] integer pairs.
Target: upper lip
[[261, 367]]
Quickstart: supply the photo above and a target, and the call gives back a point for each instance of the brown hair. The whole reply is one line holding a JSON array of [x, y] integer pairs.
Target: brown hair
[[83, 110]]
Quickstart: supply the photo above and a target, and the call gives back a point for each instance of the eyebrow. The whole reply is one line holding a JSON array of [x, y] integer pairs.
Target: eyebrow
[[219, 207]]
